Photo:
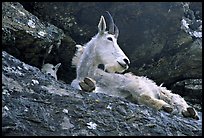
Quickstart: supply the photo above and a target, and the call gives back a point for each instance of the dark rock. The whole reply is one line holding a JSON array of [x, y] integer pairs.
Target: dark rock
[[193, 89], [36, 42], [25, 36], [197, 8], [36, 104]]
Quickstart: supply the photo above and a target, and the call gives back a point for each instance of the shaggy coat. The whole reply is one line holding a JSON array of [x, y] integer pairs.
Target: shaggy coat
[[103, 49]]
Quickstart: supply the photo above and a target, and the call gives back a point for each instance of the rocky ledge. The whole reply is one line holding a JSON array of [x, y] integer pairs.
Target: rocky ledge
[[36, 104]]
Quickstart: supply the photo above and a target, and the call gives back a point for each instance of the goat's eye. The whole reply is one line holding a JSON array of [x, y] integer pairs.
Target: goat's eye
[[49, 74], [110, 38], [53, 68]]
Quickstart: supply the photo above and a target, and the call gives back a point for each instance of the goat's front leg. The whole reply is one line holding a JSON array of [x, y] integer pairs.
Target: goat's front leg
[[179, 103], [155, 103], [88, 84]]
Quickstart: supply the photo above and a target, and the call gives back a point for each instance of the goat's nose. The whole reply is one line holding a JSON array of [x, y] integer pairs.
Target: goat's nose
[[126, 61], [101, 66]]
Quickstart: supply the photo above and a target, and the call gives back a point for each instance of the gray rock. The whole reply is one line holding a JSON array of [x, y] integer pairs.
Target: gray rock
[[193, 89], [25, 36], [36, 41], [36, 104]]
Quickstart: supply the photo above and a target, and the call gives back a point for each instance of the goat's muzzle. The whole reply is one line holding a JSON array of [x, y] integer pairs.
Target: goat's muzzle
[[124, 65]]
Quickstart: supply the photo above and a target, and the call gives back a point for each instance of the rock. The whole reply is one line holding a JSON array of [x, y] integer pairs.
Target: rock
[[25, 36], [65, 16], [181, 66], [193, 89], [36, 42], [36, 104]]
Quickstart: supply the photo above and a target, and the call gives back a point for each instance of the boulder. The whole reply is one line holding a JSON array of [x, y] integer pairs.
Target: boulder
[[35, 42], [25, 36]]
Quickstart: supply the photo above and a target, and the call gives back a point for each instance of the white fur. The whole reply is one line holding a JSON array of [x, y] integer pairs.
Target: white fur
[[50, 69], [76, 58]]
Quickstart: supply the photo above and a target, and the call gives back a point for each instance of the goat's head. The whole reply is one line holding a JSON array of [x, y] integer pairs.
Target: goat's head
[[50, 69], [108, 52]]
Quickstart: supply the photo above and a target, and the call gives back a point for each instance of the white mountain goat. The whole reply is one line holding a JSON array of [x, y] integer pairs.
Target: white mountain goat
[[98, 64], [51, 69]]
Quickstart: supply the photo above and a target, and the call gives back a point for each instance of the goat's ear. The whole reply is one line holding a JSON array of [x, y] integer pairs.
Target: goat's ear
[[102, 25], [57, 66]]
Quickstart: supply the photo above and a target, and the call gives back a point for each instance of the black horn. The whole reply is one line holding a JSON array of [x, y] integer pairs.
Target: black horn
[[116, 32], [111, 24]]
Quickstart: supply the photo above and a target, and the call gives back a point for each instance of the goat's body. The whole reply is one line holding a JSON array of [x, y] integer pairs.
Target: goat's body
[[120, 85], [129, 85], [103, 49]]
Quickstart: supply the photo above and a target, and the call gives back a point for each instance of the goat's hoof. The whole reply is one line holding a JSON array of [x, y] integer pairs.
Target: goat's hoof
[[190, 112], [90, 82], [167, 108], [87, 85]]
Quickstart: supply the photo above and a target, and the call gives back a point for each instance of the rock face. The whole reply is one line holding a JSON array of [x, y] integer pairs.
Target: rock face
[[33, 41], [24, 31], [36, 104]]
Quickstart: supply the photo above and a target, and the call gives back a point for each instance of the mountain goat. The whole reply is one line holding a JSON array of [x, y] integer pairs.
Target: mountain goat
[[99, 64], [50, 69]]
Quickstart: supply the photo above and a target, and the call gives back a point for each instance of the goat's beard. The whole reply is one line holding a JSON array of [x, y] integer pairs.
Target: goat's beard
[[111, 68]]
